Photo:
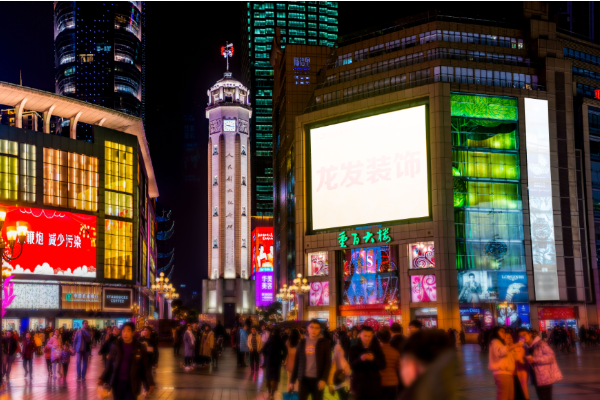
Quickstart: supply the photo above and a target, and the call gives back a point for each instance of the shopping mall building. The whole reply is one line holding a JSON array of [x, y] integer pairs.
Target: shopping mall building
[[448, 166], [90, 250]]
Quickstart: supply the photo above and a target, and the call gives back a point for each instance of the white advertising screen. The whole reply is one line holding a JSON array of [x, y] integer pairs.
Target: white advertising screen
[[540, 199], [368, 170]]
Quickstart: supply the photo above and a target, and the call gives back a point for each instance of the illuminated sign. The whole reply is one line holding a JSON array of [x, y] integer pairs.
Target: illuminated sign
[[117, 299], [421, 255], [370, 170], [382, 235], [370, 276], [302, 70], [319, 293], [597, 94], [262, 265], [423, 288], [318, 264], [540, 200], [33, 296], [58, 243], [75, 297]]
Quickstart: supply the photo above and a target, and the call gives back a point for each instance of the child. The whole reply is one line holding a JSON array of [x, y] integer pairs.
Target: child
[[48, 354], [65, 358]]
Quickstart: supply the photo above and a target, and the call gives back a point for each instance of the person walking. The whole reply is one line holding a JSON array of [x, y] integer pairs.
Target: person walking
[[9, 346], [82, 344], [502, 364], [340, 370], [109, 338], [312, 364], [292, 345], [127, 367], [28, 350], [189, 344], [544, 369], [274, 351], [39, 341], [151, 343], [264, 336], [244, 333], [390, 375], [366, 360], [208, 343], [56, 346], [254, 347], [398, 338], [461, 335], [176, 340], [65, 358]]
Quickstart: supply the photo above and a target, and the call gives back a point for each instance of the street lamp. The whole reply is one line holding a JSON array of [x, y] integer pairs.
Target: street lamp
[[162, 287], [13, 234], [300, 287], [139, 318], [391, 309], [170, 296]]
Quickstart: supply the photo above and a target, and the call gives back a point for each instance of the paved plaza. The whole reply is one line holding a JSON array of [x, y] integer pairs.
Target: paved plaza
[[228, 382]]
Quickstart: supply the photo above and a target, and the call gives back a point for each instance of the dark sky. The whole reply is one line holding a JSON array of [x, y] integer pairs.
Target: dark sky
[[182, 43]]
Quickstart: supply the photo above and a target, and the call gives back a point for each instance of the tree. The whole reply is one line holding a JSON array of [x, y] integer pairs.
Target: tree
[[175, 306]]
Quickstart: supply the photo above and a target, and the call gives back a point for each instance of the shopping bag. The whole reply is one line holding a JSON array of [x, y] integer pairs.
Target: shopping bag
[[290, 396]]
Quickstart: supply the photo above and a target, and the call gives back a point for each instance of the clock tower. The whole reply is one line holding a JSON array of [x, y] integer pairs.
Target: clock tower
[[228, 288]]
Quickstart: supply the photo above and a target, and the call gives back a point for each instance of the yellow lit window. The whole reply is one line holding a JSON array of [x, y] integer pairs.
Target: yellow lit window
[[144, 258], [27, 173], [119, 204], [70, 180], [9, 170], [118, 254], [118, 167]]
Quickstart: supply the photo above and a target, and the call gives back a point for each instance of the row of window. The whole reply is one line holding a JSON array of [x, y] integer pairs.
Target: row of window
[[432, 36], [485, 77], [17, 171], [581, 56], [297, 7], [586, 73]]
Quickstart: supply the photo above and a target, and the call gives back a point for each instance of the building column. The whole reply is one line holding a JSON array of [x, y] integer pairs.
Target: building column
[[284, 309], [300, 306], [19, 113], [73, 125], [161, 305], [47, 117], [169, 309]]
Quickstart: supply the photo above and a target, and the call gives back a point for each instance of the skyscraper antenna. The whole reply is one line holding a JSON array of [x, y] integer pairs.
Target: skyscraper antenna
[[20, 78], [227, 51]]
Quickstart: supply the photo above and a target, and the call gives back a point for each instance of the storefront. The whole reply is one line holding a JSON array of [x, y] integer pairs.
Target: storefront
[[373, 315], [13, 324], [98, 323], [427, 316], [474, 319], [322, 316], [566, 317]]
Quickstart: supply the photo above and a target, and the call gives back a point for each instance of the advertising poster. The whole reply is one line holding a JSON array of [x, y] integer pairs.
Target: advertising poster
[[477, 287], [370, 276], [35, 297], [512, 287], [58, 242], [423, 288], [318, 264], [262, 265], [421, 255], [76, 297], [513, 315], [319, 293]]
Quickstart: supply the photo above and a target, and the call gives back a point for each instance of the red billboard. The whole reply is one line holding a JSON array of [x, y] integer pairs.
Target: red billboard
[[58, 242], [558, 313]]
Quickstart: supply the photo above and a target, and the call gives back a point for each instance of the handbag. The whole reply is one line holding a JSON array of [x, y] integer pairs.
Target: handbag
[[339, 377], [290, 396]]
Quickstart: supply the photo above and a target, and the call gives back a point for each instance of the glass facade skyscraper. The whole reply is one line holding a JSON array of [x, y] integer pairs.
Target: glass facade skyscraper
[[98, 51], [300, 22]]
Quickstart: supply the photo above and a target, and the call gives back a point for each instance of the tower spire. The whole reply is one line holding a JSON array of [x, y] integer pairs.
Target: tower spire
[[227, 51]]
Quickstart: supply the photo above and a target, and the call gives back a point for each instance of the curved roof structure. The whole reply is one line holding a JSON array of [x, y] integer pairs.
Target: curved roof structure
[[52, 104]]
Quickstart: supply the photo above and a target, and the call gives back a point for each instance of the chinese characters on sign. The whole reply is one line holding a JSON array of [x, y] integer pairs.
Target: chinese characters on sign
[[262, 264], [302, 70], [382, 235], [81, 297]]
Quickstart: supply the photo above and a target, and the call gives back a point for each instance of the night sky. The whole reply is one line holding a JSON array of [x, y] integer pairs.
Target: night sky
[[183, 42]]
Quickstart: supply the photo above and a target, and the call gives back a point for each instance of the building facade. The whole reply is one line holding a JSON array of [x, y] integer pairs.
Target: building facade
[[228, 290], [308, 23], [99, 55], [455, 187], [90, 251]]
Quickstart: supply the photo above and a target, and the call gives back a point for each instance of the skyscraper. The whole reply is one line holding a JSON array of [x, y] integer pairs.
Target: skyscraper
[[300, 22], [99, 55]]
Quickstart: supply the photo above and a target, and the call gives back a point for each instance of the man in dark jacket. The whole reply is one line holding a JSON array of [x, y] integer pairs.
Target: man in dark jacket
[[151, 343], [366, 360], [108, 342], [9, 345], [397, 337], [312, 364], [127, 366], [28, 350]]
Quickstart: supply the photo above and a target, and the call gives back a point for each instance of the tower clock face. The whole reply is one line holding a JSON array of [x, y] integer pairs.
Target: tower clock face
[[229, 125]]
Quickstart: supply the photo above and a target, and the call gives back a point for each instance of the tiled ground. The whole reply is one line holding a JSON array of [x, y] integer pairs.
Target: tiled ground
[[581, 371]]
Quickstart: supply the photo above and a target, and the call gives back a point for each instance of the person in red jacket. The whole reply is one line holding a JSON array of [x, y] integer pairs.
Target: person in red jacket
[[28, 349]]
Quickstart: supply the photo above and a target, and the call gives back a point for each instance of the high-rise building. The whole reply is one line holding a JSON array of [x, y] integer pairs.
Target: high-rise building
[[229, 114], [99, 55], [300, 22], [576, 17]]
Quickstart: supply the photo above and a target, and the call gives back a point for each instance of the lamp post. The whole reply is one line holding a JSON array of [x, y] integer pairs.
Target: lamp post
[[170, 296], [139, 318], [13, 234], [300, 287], [162, 287], [284, 296], [391, 309]]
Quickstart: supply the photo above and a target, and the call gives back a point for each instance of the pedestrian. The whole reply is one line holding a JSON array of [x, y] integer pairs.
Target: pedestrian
[[243, 346], [292, 345], [82, 344], [65, 358], [397, 338], [264, 336], [56, 346], [48, 356], [28, 350], [9, 346], [37, 338], [208, 343], [340, 370], [274, 351], [544, 369], [461, 335], [127, 367], [390, 375], [109, 338], [254, 347], [312, 364], [151, 343], [189, 344], [197, 342], [502, 363], [366, 360], [451, 337]]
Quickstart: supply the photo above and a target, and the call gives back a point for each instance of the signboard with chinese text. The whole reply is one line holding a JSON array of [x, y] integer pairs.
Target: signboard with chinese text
[[58, 243], [377, 173], [77, 297], [558, 313], [115, 299], [262, 265]]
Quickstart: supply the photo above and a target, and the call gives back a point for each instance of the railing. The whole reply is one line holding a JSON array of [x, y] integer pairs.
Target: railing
[[421, 59]]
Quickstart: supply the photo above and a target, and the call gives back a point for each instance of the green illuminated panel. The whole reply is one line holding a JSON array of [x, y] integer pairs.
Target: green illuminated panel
[[490, 195], [486, 165], [499, 108]]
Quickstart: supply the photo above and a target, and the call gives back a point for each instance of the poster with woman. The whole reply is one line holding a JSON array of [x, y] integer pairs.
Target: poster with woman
[[319, 293]]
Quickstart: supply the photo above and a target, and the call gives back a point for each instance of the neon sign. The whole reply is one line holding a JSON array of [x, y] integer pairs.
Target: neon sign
[[597, 94]]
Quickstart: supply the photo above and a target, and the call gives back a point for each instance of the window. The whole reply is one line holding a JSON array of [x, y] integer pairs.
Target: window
[[70, 180], [118, 255], [409, 41], [296, 16], [27, 172], [119, 204], [298, 24], [344, 59], [118, 167], [9, 170], [86, 58]]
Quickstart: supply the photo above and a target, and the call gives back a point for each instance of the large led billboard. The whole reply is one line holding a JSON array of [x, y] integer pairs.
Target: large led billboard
[[541, 216], [372, 169], [262, 264], [58, 242]]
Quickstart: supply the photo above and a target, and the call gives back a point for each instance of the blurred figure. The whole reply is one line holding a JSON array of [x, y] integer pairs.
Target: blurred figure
[[254, 347], [292, 344], [189, 343], [461, 336], [82, 344], [389, 376], [414, 326], [28, 349], [274, 351], [65, 358], [502, 363], [340, 371], [397, 339], [544, 369], [151, 346], [9, 346], [366, 360]]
